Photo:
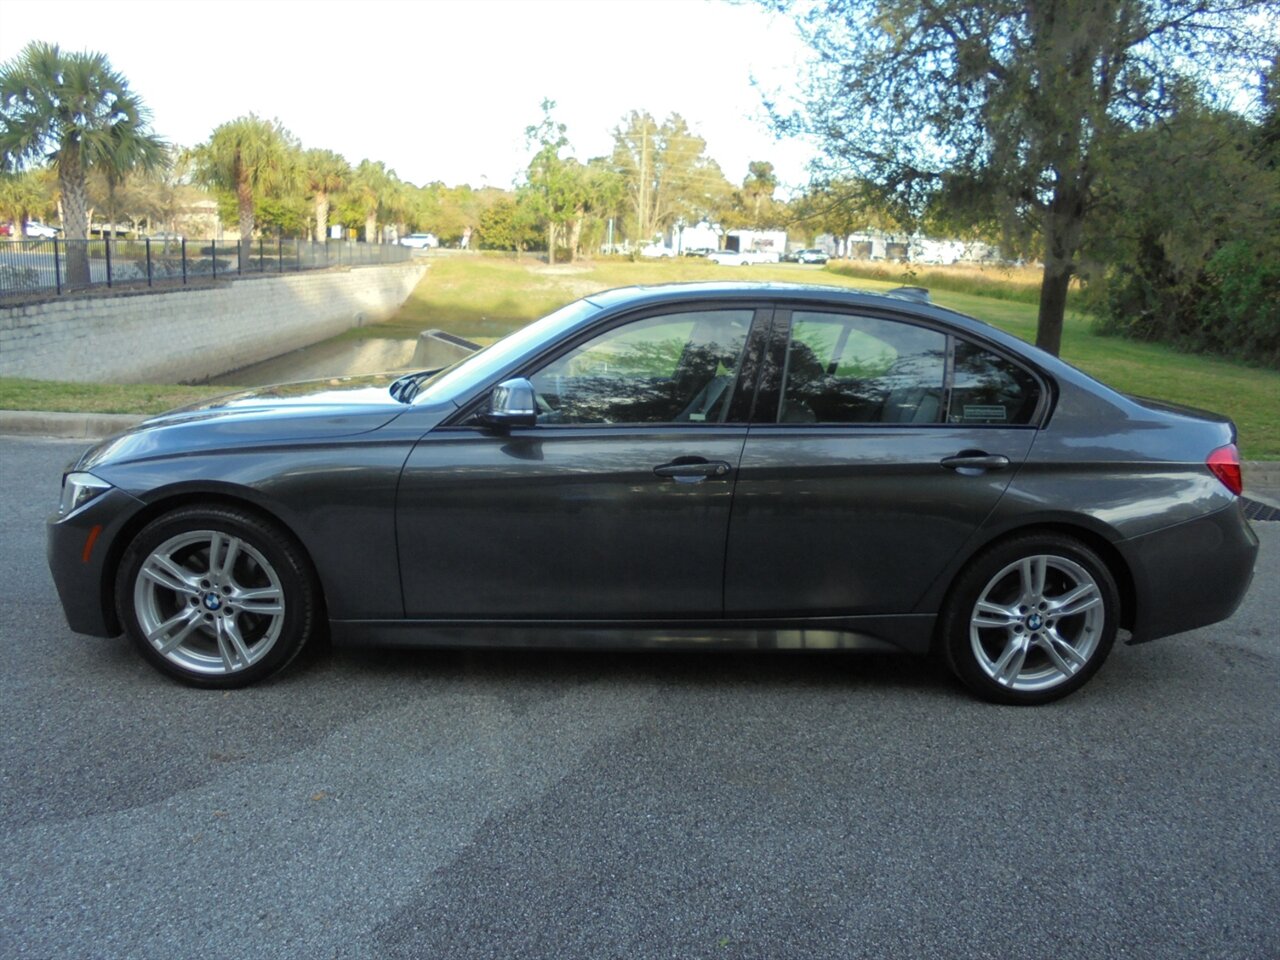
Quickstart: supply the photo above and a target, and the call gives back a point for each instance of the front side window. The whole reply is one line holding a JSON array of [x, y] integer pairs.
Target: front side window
[[849, 369], [676, 368]]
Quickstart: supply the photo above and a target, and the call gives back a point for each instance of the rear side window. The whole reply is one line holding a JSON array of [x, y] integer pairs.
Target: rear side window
[[851, 369], [987, 388]]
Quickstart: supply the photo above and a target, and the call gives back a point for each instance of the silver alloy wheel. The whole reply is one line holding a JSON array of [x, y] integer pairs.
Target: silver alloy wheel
[[209, 602], [1037, 623]]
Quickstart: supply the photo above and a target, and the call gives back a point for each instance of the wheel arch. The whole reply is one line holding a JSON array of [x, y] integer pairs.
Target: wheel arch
[[176, 500], [1104, 548]]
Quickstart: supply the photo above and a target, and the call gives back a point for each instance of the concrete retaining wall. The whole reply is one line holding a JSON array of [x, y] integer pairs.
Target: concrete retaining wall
[[436, 348], [195, 333]]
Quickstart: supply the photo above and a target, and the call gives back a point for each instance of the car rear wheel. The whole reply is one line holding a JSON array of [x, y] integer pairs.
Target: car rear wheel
[[1031, 619], [215, 596]]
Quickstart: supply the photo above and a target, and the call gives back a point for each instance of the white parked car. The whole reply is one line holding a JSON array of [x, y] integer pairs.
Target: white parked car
[[420, 241], [657, 251], [39, 231], [733, 258]]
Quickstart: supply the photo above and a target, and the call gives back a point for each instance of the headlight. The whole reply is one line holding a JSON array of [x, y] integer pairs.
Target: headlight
[[78, 489]]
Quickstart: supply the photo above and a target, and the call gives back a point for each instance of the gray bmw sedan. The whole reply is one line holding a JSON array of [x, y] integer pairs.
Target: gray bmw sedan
[[760, 465]]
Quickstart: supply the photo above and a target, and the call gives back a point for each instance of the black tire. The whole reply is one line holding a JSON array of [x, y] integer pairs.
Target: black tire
[[227, 597], [1027, 646]]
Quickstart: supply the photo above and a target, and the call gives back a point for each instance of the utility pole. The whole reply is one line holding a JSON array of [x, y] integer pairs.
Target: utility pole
[[642, 220]]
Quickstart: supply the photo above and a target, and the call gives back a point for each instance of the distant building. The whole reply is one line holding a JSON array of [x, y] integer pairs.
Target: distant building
[[909, 247], [756, 241], [699, 236]]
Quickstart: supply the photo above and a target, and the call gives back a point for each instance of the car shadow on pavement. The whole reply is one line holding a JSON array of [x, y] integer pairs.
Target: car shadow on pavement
[[697, 669]]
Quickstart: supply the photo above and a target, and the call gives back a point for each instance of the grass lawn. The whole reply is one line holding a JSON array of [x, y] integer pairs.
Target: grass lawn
[[484, 297], [60, 397]]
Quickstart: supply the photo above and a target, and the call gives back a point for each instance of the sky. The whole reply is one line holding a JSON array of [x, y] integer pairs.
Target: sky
[[438, 89]]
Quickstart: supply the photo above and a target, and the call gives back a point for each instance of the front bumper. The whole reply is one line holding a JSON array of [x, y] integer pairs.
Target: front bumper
[[81, 552], [1191, 574]]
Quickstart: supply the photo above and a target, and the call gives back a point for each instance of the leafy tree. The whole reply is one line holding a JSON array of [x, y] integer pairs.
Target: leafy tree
[[1188, 237], [602, 197], [667, 173], [554, 190], [251, 159], [77, 113], [842, 207], [23, 196], [449, 211], [1009, 107], [324, 173], [506, 225]]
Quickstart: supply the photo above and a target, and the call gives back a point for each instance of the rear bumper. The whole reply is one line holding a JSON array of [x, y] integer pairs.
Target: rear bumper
[[1191, 574], [79, 549]]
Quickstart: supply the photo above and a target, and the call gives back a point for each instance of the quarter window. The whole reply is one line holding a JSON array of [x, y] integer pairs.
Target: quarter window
[[677, 368], [987, 388]]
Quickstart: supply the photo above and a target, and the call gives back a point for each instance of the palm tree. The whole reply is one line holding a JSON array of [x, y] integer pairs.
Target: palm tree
[[371, 190], [325, 172], [758, 188], [248, 157], [76, 112]]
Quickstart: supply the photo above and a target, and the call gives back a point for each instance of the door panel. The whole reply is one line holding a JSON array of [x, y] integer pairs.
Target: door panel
[[615, 505], [848, 520], [567, 522]]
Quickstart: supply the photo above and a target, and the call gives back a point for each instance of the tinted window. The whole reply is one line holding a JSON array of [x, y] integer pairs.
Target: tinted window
[[677, 368], [990, 389], [848, 369]]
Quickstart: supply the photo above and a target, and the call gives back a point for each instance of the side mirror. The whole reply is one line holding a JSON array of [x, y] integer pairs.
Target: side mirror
[[513, 403]]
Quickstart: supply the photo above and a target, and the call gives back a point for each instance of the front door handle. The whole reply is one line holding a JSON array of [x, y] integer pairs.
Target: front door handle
[[975, 462], [692, 469]]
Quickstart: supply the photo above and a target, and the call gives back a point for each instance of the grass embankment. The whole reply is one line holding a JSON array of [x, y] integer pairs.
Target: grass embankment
[[59, 397], [485, 297]]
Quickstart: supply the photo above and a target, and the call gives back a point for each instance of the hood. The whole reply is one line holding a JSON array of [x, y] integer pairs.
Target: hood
[[306, 411], [332, 396]]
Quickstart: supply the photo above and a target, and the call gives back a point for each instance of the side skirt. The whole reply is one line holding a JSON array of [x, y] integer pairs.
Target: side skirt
[[912, 633]]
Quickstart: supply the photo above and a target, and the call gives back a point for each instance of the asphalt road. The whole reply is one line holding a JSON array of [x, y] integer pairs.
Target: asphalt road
[[511, 805]]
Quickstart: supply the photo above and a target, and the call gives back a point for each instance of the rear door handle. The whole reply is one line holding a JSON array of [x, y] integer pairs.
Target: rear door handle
[[976, 462], [692, 469]]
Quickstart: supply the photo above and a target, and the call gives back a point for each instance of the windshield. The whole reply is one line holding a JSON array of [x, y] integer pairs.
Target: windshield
[[484, 364]]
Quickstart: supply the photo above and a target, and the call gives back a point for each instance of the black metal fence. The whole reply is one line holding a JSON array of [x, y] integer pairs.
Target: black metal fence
[[43, 267]]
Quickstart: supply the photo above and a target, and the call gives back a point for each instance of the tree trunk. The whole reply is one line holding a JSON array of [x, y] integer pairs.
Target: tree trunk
[[1063, 229], [1053, 305], [551, 243], [371, 228], [575, 238], [322, 216], [244, 201], [75, 219]]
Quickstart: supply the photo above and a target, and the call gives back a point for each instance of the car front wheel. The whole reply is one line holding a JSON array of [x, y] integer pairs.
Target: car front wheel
[[1031, 619], [216, 597]]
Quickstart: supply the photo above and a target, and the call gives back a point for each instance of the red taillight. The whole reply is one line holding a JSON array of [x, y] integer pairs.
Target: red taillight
[[1225, 464]]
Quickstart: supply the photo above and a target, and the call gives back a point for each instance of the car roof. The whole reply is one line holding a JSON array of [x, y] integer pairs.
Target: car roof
[[728, 289]]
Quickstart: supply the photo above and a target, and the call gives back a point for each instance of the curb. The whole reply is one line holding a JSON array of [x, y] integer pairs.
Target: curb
[[72, 426], [1262, 473]]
